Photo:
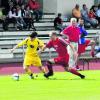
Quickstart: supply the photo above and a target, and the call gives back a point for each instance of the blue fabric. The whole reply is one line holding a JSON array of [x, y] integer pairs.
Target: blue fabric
[[98, 50], [83, 34]]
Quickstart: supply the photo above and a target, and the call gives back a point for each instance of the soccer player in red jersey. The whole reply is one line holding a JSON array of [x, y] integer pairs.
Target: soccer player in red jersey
[[60, 45], [73, 33]]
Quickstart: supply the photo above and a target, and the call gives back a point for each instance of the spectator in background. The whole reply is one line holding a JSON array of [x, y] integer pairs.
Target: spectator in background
[[23, 10], [11, 18], [20, 22], [98, 14], [95, 8], [92, 14], [28, 19], [35, 6], [11, 4], [18, 2], [87, 20], [58, 23], [76, 12], [2, 19], [92, 17]]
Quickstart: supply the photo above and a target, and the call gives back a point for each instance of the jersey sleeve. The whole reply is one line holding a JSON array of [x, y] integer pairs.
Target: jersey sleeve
[[64, 42], [66, 31], [22, 43], [84, 32], [41, 43], [49, 44]]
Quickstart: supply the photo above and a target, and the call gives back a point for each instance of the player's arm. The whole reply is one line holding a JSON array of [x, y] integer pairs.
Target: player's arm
[[41, 46], [84, 32], [19, 45], [64, 33], [48, 45]]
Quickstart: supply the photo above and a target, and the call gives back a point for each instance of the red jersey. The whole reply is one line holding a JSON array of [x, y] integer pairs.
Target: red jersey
[[33, 5], [59, 45], [73, 33]]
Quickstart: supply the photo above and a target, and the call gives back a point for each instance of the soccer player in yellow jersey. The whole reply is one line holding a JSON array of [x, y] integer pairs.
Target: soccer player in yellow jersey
[[32, 53]]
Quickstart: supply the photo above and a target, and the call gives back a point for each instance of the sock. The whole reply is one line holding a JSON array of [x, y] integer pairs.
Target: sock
[[49, 66], [77, 67], [73, 71]]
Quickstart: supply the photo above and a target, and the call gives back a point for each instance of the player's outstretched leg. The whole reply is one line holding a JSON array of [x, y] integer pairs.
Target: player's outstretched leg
[[50, 70], [75, 72], [28, 71]]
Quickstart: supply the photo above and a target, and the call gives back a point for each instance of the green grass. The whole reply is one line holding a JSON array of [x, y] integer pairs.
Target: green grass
[[62, 86]]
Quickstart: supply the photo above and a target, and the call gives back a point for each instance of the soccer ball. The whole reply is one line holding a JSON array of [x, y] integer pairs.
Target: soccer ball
[[15, 76]]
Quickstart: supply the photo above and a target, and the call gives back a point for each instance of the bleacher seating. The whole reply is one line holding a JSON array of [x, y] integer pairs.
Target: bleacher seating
[[10, 38]]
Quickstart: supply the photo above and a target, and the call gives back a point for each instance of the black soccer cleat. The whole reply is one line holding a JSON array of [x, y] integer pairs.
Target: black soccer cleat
[[47, 75], [82, 76], [31, 76]]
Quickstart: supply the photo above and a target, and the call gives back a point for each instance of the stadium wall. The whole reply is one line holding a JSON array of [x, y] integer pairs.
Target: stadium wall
[[64, 6]]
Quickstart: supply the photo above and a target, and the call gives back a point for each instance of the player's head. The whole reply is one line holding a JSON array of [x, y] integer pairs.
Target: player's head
[[81, 21], [77, 6], [53, 35], [84, 6], [33, 35], [73, 21], [59, 14]]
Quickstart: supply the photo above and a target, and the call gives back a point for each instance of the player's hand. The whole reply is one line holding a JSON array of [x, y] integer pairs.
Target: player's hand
[[12, 50]]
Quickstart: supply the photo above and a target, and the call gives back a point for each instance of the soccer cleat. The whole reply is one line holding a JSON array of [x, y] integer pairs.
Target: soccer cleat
[[31, 76], [82, 76], [78, 69], [48, 74]]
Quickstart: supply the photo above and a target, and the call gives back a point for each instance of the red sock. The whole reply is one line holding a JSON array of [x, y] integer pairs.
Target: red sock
[[73, 71]]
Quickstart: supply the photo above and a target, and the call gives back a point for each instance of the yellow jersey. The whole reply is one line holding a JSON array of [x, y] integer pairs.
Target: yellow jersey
[[32, 45]]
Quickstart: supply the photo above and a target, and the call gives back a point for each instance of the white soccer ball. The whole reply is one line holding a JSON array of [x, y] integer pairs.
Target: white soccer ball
[[15, 76]]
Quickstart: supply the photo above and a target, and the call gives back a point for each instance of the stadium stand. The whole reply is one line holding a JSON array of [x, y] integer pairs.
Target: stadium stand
[[10, 38]]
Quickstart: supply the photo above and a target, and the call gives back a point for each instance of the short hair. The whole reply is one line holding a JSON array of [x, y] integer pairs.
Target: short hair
[[77, 5], [59, 14], [73, 19], [52, 33], [80, 19], [33, 35], [84, 5]]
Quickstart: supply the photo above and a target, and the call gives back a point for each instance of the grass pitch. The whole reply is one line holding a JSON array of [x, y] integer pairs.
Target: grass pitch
[[62, 86]]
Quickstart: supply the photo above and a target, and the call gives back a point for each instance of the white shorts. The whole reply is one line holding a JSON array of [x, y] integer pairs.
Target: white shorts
[[72, 62]]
